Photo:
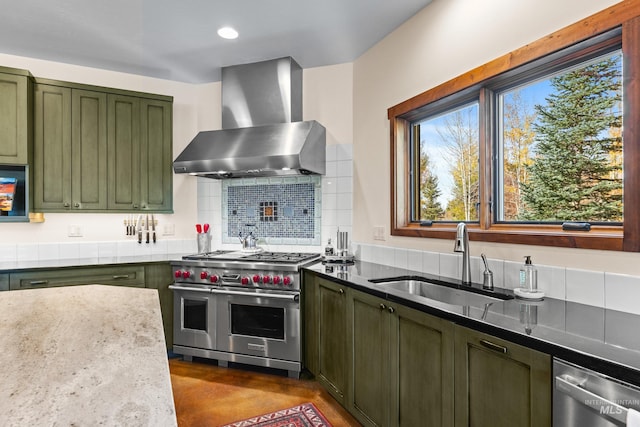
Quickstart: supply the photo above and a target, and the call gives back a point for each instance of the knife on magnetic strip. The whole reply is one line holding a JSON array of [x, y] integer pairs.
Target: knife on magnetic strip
[[153, 228]]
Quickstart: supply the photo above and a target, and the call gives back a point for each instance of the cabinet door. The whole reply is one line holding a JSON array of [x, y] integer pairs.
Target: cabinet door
[[89, 150], [14, 119], [332, 337], [4, 282], [309, 322], [370, 394], [156, 155], [158, 276], [499, 383], [52, 156], [422, 352], [120, 275], [123, 136]]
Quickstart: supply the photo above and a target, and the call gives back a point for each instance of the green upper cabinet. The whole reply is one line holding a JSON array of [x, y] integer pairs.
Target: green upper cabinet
[[89, 150], [101, 150], [52, 156], [15, 116], [156, 155], [124, 152], [70, 149], [140, 154]]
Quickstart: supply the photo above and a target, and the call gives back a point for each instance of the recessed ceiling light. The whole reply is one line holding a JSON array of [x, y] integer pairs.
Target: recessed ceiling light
[[228, 33]]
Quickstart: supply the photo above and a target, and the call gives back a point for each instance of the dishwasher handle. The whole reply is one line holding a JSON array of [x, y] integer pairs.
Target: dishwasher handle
[[572, 387]]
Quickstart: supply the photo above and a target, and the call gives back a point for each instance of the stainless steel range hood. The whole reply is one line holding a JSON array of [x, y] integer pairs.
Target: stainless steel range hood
[[262, 134]]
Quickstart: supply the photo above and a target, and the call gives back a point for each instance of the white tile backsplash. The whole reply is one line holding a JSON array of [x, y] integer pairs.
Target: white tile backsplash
[[414, 260], [450, 265], [431, 263], [400, 258], [622, 292], [8, 253], [47, 251], [552, 281], [585, 287]]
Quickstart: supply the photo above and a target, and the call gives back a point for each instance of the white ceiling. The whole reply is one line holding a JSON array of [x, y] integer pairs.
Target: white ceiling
[[177, 40]]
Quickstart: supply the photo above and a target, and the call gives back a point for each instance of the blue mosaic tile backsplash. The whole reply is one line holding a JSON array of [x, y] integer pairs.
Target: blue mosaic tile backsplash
[[277, 210]]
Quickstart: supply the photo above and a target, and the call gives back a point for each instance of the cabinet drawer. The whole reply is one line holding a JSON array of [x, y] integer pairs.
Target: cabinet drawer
[[123, 275]]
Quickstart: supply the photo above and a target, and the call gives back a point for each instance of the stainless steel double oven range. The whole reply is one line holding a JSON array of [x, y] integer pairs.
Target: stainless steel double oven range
[[240, 307]]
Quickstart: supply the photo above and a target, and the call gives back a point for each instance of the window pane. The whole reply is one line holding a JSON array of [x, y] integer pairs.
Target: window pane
[[560, 141], [447, 175]]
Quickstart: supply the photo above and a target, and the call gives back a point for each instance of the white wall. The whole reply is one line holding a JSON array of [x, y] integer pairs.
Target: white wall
[[195, 107], [448, 38]]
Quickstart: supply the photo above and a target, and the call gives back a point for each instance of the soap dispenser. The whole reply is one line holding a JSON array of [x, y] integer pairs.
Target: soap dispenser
[[528, 281]]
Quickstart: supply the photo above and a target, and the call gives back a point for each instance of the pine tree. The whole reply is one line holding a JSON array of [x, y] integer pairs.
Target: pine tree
[[430, 207], [574, 176]]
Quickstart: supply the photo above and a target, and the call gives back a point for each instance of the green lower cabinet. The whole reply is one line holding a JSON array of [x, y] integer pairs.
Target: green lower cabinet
[[332, 365], [121, 275], [499, 383], [159, 276], [422, 350], [4, 282], [402, 366], [370, 397]]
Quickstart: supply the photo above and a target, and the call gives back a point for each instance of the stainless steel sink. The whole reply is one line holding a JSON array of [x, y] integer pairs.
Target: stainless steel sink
[[438, 292]]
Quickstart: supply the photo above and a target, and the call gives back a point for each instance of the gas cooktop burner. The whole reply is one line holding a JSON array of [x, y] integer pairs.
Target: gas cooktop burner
[[272, 257]]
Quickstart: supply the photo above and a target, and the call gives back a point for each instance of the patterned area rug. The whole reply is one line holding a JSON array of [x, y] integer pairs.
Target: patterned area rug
[[305, 415]]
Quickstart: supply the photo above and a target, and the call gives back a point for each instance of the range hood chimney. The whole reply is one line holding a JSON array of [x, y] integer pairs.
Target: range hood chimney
[[262, 132]]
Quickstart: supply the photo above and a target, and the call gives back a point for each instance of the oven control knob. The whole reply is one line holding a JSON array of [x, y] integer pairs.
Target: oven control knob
[[277, 280], [178, 274], [214, 278], [287, 281], [244, 281], [204, 275], [266, 279], [186, 274], [256, 278]]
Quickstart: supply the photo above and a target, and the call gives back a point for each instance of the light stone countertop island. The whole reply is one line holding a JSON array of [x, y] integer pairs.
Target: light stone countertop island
[[83, 356]]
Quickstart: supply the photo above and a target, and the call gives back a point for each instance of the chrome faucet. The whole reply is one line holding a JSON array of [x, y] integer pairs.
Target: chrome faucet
[[462, 245]]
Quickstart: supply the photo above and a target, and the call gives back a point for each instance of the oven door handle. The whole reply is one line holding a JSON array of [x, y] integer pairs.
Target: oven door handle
[[289, 297], [187, 288]]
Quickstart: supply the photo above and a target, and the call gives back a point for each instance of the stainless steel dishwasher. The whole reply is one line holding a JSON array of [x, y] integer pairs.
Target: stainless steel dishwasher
[[582, 397]]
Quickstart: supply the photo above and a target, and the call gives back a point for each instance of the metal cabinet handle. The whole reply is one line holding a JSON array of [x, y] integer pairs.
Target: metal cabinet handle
[[76, 205], [571, 386], [494, 347], [391, 310], [66, 204], [382, 306], [120, 277], [341, 291], [38, 282], [135, 206]]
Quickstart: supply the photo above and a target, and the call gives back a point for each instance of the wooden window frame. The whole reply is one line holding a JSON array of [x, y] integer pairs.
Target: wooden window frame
[[624, 15]]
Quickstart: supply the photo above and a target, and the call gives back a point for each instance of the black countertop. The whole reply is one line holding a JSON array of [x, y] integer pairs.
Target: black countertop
[[606, 341]]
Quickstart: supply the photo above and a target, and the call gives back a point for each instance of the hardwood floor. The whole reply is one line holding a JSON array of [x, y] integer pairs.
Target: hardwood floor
[[208, 395]]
